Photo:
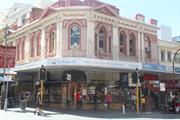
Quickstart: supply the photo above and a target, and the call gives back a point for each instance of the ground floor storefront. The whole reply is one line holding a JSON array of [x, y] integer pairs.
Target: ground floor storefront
[[91, 77], [61, 93]]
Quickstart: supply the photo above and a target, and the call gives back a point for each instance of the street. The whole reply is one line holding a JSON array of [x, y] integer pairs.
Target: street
[[17, 114]]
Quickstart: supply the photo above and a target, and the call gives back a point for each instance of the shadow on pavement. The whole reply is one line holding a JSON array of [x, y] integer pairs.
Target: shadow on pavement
[[117, 114], [100, 114]]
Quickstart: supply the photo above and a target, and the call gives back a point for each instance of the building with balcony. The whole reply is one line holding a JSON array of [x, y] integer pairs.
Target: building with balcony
[[95, 45]]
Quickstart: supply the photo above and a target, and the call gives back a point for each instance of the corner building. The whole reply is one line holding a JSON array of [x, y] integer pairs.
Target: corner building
[[90, 41]]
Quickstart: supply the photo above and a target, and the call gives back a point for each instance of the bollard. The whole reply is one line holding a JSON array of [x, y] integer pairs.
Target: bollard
[[123, 109]]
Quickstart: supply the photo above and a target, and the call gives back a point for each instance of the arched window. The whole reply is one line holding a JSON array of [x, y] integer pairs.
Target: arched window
[[132, 44], [18, 49], [52, 36], [75, 36], [122, 42], [38, 35], [102, 38], [147, 45], [147, 42], [32, 45], [23, 48]]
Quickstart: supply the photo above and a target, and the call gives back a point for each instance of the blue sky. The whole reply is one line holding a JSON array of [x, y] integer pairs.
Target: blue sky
[[167, 12]]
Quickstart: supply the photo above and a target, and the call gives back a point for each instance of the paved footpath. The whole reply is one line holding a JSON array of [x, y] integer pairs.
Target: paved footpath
[[17, 114]]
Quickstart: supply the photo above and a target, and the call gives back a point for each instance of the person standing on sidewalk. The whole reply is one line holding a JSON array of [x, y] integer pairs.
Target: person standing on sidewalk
[[133, 102], [38, 103], [95, 101], [108, 100], [78, 100]]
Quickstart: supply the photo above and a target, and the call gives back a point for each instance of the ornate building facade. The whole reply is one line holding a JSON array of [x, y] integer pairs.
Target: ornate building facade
[[89, 40]]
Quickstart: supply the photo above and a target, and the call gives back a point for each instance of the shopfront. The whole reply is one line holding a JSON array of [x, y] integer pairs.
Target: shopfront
[[60, 93]]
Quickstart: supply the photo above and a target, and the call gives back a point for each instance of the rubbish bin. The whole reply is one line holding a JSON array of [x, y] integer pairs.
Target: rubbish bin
[[22, 104]]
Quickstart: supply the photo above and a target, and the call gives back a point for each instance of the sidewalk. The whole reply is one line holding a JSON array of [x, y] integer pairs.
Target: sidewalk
[[28, 114]]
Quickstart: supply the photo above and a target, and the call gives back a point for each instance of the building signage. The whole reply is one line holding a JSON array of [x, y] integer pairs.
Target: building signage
[[69, 77], [153, 67], [84, 62], [160, 68]]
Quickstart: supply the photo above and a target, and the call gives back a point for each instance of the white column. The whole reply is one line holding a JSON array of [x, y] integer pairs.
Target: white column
[[27, 48], [43, 48], [166, 55], [115, 43], [59, 39], [142, 47], [90, 39]]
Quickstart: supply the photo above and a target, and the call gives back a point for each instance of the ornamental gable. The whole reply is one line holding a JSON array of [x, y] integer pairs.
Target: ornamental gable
[[47, 12], [106, 10]]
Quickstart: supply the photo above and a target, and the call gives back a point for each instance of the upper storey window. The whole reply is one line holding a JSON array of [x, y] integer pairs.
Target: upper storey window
[[102, 38], [147, 48], [122, 41], [50, 38], [162, 55], [75, 36], [132, 44]]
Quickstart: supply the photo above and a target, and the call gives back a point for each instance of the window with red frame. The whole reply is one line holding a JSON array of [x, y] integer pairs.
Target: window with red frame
[[38, 35], [75, 36], [23, 48], [132, 44], [32, 45]]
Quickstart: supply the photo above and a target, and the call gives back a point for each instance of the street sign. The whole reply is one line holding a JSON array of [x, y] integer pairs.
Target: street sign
[[162, 87], [68, 77]]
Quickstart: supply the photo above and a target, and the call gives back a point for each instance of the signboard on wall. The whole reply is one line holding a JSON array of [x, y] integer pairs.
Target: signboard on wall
[[124, 80], [10, 56], [162, 87]]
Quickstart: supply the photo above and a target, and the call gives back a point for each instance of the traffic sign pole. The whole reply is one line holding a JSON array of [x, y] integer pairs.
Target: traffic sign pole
[[42, 93], [137, 93]]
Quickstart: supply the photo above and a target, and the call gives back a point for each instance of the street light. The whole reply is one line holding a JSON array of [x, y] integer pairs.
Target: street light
[[174, 62]]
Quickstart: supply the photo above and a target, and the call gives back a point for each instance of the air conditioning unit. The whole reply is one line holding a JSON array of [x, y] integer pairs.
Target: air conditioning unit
[[147, 49]]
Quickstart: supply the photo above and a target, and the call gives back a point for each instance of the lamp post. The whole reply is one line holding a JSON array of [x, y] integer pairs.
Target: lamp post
[[174, 62], [3, 94]]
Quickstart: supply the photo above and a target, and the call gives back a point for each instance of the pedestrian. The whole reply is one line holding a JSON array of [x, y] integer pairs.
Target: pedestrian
[[133, 102], [78, 100], [174, 103], [38, 103], [108, 100], [95, 101]]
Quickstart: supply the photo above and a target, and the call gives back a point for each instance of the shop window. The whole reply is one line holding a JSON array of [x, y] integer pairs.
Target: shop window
[[75, 36]]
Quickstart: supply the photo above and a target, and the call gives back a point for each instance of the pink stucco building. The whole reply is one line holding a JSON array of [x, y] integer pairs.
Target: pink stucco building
[[89, 40]]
